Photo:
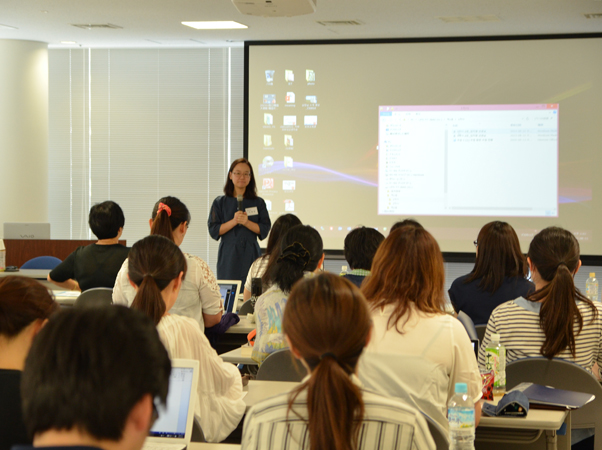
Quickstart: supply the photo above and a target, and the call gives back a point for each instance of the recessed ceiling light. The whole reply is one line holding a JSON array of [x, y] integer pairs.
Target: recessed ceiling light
[[7, 27], [69, 42], [215, 25]]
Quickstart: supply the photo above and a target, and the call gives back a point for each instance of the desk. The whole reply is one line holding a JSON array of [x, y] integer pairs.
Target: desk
[[66, 298], [537, 430], [258, 391], [212, 446], [243, 327], [235, 357], [38, 274]]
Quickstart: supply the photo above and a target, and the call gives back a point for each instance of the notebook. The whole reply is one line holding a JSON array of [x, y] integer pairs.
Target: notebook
[[229, 290], [173, 429]]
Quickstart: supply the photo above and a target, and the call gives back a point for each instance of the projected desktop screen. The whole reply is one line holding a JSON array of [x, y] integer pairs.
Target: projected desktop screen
[[453, 134]]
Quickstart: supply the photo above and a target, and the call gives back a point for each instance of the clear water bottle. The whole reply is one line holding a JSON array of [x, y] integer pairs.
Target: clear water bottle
[[591, 287], [460, 415], [495, 360]]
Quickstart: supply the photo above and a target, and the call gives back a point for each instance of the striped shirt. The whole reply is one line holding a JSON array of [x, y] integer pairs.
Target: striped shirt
[[387, 424], [517, 323]]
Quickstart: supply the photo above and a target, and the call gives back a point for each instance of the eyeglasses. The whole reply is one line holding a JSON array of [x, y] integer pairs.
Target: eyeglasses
[[476, 244], [242, 174]]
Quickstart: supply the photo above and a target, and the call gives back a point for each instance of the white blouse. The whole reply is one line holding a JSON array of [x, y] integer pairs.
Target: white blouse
[[199, 292], [220, 404]]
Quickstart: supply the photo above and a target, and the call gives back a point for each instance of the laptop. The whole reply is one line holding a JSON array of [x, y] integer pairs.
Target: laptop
[[475, 347], [229, 290], [173, 429], [26, 230]]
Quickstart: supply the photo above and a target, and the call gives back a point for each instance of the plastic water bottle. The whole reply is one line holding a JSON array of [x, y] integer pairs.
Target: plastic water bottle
[[460, 415], [495, 359], [591, 287]]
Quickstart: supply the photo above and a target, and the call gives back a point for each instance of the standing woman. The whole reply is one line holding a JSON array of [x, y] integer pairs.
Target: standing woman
[[238, 228], [498, 274]]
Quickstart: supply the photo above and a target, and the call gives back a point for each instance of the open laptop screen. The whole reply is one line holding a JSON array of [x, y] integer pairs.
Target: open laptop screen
[[229, 292], [173, 419]]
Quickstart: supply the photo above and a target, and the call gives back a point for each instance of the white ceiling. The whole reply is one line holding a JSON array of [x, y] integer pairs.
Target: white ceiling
[[157, 23]]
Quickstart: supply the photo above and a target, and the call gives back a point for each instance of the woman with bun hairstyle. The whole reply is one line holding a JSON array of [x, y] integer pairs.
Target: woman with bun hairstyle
[[238, 225], [156, 270], [301, 254], [199, 296], [417, 351], [327, 324], [25, 305], [555, 321], [260, 265], [498, 274]]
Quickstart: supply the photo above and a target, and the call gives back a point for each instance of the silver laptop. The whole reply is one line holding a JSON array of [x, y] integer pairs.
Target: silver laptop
[[173, 429], [26, 230], [229, 290]]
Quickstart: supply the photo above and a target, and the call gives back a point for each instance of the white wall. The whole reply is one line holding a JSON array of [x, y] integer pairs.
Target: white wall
[[23, 132]]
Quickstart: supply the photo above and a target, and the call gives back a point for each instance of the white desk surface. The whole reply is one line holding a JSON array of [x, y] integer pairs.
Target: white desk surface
[[242, 327], [235, 357], [38, 274], [66, 298], [212, 446], [540, 419], [260, 390]]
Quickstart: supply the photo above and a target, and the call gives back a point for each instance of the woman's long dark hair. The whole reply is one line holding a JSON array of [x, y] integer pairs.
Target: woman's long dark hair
[[327, 321], [153, 262], [499, 255], [280, 227], [300, 251], [555, 254], [407, 268], [165, 220], [251, 190]]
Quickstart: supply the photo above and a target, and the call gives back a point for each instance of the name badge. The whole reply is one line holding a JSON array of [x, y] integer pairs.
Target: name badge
[[252, 211]]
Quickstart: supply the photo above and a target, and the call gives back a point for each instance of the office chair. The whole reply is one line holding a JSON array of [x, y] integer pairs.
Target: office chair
[[481, 331], [281, 366], [440, 436], [467, 322], [41, 262], [246, 308], [95, 297], [565, 375]]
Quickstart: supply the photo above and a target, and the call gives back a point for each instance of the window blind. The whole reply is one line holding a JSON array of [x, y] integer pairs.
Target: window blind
[[134, 125]]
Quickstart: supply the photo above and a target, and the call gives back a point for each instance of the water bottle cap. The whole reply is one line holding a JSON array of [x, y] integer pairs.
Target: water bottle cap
[[592, 275], [461, 388], [495, 337]]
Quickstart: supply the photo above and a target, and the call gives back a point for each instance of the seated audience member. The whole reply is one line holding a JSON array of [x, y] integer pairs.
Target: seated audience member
[[555, 321], [199, 297], [498, 274], [327, 324], [359, 248], [84, 387], [417, 352], [405, 222], [24, 306], [259, 266], [156, 269], [95, 265], [301, 254]]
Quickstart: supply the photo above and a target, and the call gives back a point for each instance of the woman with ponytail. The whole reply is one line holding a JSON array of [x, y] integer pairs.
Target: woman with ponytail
[[555, 321], [199, 296], [301, 254], [327, 324], [157, 269]]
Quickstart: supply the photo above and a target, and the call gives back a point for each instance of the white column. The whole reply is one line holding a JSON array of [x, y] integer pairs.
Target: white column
[[23, 131]]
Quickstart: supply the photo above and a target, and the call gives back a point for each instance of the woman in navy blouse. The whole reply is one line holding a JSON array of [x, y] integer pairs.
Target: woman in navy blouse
[[238, 229]]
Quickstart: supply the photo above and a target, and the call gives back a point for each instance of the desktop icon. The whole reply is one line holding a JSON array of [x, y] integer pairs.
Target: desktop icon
[[268, 161], [310, 121], [289, 97], [289, 121], [268, 183], [311, 98], [289, 76], [289, 205], [267, 140], [269, 76], [268, 204], [269, 99], [288, 185], [268, 119], [288, 140], [310, 76], [288, 162]]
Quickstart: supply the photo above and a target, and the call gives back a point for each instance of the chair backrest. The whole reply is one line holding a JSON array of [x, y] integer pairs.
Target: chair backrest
[[94, 297], [246, 308], [481, 331], [281, 366], [41, 262], [440, 436], [468, 324], [562, 375]]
